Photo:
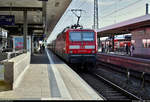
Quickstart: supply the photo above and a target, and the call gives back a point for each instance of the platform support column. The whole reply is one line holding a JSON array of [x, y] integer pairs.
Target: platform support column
[[105, 46], [143, 80], [99, 42], [44, 16], [147, 7], [113, 37], [25, 30], [8, 41], [32, 43]]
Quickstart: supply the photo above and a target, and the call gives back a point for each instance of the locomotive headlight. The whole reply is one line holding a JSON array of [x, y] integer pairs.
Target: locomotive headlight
[[93, 51], [74, 47], [70, 51], [90, 47]]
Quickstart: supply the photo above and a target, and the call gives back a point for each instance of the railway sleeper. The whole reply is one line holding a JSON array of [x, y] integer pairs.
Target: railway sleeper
[[117, 97], [117, 94]]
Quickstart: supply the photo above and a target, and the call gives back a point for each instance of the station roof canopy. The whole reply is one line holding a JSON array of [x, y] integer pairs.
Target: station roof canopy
[[54, 11], [125, 26]]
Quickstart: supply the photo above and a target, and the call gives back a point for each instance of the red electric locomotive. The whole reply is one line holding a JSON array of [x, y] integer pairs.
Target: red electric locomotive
[[76, 46]]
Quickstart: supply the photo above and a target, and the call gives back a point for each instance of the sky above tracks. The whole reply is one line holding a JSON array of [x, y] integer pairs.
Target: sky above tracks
[[110, 12]]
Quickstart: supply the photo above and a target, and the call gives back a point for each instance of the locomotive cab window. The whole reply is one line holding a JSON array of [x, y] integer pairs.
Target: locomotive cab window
[[88, 36], [81, 36], [75, 36]]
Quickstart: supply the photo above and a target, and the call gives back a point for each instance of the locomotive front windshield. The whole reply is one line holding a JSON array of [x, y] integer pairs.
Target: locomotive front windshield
[[81, 36]]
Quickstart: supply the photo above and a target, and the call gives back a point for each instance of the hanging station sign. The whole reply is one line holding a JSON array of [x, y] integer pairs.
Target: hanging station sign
[[7, 20]]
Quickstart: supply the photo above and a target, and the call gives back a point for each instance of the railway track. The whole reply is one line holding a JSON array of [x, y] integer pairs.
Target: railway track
[[106, 88], [133, 84]]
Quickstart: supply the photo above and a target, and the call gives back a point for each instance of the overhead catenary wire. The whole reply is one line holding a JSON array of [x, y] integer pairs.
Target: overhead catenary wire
[[146, 1], [118, 10], [126, 13]]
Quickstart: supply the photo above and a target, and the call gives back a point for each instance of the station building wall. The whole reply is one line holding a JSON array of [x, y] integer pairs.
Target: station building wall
[[141, 41]]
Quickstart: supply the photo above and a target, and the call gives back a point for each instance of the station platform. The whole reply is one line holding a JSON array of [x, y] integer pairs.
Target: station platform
[[125, 55], [125, 61], [49, 78]]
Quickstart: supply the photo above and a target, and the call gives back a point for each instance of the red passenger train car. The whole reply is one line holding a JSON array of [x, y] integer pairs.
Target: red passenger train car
[[76, 46]]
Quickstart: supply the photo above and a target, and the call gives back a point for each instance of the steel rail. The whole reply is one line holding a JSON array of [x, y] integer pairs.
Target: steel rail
[[116, 86]]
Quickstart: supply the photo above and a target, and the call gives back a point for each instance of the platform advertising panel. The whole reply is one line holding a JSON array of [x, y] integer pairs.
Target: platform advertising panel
[[18, 43]]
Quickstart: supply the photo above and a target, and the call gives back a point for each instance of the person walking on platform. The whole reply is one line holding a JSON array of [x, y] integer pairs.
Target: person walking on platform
[[43, 48], [131, 50]]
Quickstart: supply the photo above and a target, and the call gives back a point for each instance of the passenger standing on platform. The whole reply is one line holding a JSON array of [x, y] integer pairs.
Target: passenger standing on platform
[[127, 48], [40, 48], [109, 47], [131, 50], [102, 47]]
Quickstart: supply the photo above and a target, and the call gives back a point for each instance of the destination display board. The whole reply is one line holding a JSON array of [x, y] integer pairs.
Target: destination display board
[[7, 20]]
